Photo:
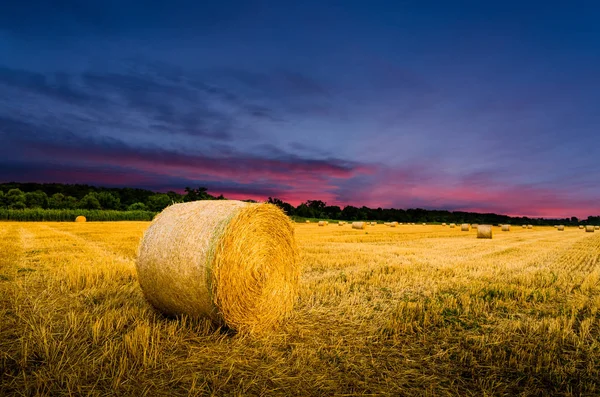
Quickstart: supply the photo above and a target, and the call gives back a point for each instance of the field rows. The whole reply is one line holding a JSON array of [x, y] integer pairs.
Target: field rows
[[412, 310]]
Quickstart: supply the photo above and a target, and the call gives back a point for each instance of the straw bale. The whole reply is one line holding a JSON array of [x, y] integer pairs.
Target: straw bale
[[230, 261], [359, 225], [484, 231]]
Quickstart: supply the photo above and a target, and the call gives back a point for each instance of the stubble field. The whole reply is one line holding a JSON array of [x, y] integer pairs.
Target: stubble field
[[412, 310]]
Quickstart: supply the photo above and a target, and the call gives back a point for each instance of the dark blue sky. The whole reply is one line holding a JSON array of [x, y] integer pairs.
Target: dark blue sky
[[453, 105]]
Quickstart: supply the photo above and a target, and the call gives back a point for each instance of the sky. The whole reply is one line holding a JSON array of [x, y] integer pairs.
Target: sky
[[457, 105]]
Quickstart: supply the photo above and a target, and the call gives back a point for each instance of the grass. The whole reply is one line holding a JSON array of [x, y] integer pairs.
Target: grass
[[49, 215], [412, 310]]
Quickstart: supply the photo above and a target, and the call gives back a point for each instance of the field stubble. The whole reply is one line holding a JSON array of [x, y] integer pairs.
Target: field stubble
[[412, 310]]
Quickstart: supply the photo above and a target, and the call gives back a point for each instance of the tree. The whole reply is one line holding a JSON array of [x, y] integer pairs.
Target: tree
[[2, 200], [37, 199], [158, 202], [90, 202], [137, 207], [60, 201], [196, 194], [15, 199], [108, 201], [288, 208]]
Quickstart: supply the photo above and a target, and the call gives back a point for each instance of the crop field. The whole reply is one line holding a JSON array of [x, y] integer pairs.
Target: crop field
[[411, 310]]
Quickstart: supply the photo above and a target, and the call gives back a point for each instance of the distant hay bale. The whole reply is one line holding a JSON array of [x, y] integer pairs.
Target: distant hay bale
[[452, 225], [589, 229], [474, 226], [81, 218], [307, 221], [464, 227], [444, 224], [529, 226], [359, 225], [560, 228], [506, 228], [581, 226], [373, 223], [230, 261], [524, 226], [327, 222], [322, 223], [597, 228], [484, 231], [424, 224]]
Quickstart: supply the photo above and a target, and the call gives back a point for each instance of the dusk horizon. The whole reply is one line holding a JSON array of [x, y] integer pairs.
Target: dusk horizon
[[478, 108]]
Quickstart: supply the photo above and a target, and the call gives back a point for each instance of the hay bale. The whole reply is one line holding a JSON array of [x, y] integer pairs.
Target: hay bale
[[230, 261], [444, 224], [560, 228], [81, 218], [359, 225], [581, 226], [393, 224], [452, 225], [597, 228], [484, 231], [474, 226], [524, 226], [424, 224], [307, 221], [589, 229], [506, 228], [529, 226], [373, 223], [464, 227], [322, 223]]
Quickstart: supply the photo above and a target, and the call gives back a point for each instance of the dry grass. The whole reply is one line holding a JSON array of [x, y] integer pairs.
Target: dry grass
[[407, 311]]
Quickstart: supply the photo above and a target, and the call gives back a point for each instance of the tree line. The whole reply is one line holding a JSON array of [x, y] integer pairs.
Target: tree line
[[56, 196]]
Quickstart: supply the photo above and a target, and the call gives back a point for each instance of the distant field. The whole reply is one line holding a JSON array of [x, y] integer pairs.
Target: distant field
[[412, 310]]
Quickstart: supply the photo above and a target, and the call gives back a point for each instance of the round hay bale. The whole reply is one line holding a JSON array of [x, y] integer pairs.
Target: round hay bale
[[589, 229], [484, 231], [452, 225], [359, 225], [464, 227], [322, 223], [393, 224], [581, 226], [506, 228], [307, 221], [560, 228], [424, 224], [524, 226], [81, 218], [444, 224], [230, 261], [474, 226], [373, 223], [529, 226], [597, 228]]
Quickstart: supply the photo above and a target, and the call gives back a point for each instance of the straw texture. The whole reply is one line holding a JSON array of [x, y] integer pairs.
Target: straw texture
[[506, 228], [589, 229], [560, 228], [464, 227], [231, 261], [484, 231], [81, 218], [323, 223]]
